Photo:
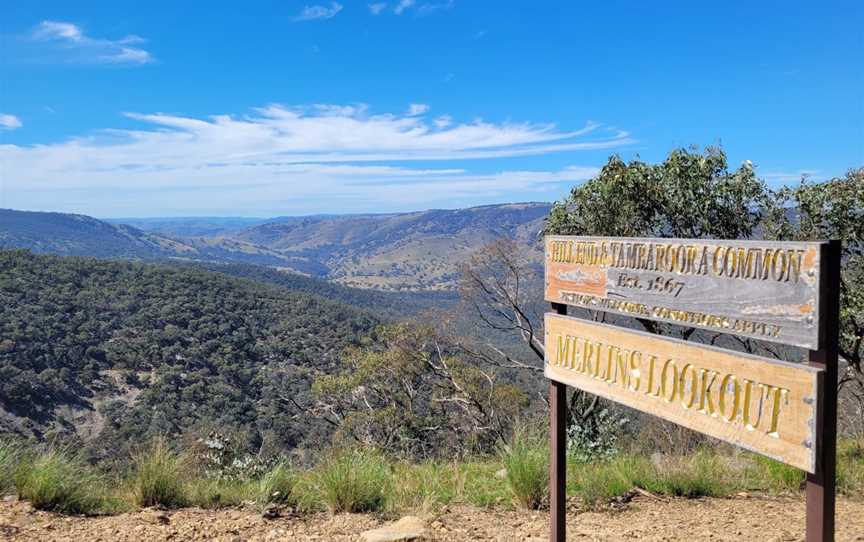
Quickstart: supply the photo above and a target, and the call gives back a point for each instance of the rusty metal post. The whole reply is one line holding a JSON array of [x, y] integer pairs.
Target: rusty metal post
[[821, 490], [558, 451]]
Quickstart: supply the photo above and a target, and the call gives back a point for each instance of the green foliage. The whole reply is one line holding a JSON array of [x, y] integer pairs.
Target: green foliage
[[213, 494], [409, 392], [58, 481], [527, 462], [10, 455], [767, 474], [158, 477], [354, 480], [833, 209], [690, 194], [602, 481], [277, 485], [193, 349], [703, 474]]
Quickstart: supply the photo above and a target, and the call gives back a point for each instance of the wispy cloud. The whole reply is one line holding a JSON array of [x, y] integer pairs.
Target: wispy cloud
[[402, 6], [311, 13], [79, 47], [417, 109], [311, 156], [377, 8], [10, 122]]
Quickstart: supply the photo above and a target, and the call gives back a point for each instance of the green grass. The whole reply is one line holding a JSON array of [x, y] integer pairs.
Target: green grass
[[10, 455], [58, 481], [277, 486], [527, 462], [353, 481], [215, 494], [158, 477], [603, 481], [359, 480]]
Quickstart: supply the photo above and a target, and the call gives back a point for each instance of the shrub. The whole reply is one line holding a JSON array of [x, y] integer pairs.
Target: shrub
[[158, 476], [277, 485], [354, 480], [57, 481], [527, 464]]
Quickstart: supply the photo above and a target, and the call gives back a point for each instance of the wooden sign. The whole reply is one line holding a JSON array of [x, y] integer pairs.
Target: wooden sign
[[763, 405], [759, 289]]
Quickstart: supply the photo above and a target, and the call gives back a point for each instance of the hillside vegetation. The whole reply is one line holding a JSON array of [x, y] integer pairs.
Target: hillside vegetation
[[124, 350]]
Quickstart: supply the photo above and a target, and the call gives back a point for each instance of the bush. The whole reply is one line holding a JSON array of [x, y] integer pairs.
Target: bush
[[353, 481], [277, 485], [57, 481], [527, 464], [158, 476]]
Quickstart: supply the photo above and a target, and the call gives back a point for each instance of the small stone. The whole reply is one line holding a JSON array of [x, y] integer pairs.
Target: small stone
[[501, 474], [406, 529]]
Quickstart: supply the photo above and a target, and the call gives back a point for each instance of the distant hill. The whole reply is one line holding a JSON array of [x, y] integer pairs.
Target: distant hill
[[114, 351], [189, 226], [415, 251], [80, 235]]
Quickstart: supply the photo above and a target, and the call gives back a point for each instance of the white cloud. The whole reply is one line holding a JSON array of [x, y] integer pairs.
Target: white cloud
[[278, 159], [311, 13], [9, 122], [78, 47], [402, 6], [417, 109], [377, 8]]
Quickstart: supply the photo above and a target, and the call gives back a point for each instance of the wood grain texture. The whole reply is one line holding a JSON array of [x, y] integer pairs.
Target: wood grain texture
[[766, 406], [759, 289]]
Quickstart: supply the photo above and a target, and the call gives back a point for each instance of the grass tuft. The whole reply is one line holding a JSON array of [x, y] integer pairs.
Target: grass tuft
[[527, 464], [57, 481], [158, 477], [214, 494], [277, 485], [10, 455], [353, 481]]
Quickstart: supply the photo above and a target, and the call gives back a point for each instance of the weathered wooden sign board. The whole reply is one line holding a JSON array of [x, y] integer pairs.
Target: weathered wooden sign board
[[756, 289], [763, 405], [782, 292]]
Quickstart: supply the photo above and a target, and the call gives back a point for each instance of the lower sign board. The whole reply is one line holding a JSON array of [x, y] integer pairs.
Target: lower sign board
[[766, 406]]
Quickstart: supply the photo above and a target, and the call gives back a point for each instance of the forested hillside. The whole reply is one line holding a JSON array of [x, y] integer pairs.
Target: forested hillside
[[125, 350], [392, 304], [80, 235]]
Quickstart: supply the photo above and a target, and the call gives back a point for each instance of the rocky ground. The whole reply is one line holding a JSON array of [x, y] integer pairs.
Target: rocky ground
[[645, 518]]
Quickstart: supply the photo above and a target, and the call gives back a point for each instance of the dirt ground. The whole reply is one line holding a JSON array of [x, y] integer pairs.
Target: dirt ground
[[645, 518]]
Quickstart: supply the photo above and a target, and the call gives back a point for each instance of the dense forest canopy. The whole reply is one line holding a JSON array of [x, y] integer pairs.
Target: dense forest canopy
[[134, 349]]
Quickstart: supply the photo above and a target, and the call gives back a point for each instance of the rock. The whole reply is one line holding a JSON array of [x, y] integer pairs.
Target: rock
[[501, 474], [407, 528], [156, 517]]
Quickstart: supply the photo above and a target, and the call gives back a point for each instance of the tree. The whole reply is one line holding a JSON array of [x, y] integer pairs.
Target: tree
[[833, 209], [690, 194], [407, 391]]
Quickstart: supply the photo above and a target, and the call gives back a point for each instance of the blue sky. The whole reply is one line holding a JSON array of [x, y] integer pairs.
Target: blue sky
[[166, 108]]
